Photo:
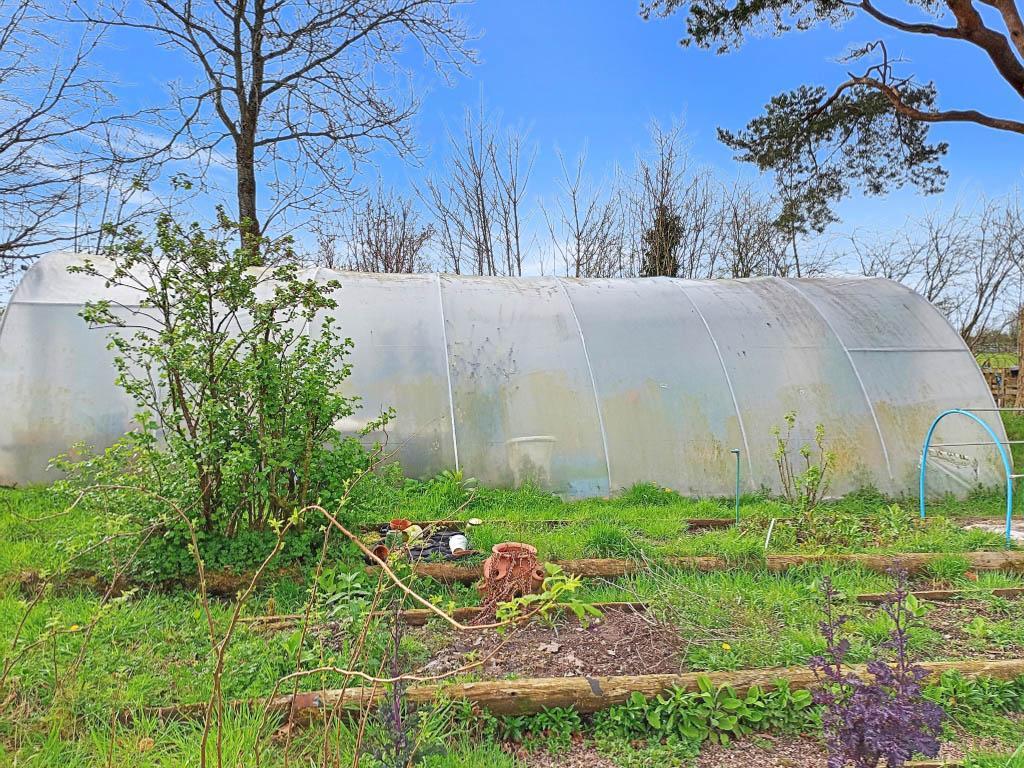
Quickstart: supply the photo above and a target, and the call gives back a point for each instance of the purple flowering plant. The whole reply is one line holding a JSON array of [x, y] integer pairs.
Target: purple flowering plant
[[883, 716]]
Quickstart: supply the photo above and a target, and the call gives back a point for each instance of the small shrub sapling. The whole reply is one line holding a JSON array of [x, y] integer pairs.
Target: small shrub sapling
[[885, 717], [804, 486]]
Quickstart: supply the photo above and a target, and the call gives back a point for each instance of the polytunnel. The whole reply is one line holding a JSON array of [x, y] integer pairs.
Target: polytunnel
[[582, 386]]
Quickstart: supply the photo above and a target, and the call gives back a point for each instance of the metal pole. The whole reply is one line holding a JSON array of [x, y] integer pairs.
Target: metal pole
[[736, 452]]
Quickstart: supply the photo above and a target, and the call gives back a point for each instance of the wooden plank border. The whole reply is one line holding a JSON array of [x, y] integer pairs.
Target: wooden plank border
[[584, 694], [911, 562]]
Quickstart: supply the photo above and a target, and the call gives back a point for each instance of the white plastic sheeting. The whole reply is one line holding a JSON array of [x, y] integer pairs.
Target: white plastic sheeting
[[583, 386]]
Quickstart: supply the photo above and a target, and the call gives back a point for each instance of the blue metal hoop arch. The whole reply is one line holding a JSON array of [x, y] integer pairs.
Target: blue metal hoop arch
[[1007, 465]]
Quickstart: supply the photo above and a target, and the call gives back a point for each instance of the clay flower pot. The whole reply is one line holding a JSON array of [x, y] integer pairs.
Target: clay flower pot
[[399, 524], [381, 552], [514, 565]]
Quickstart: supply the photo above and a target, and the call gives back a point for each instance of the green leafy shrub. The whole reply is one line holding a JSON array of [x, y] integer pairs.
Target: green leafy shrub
[[557, 593], [963, 697], [785, 710], [237, 404]]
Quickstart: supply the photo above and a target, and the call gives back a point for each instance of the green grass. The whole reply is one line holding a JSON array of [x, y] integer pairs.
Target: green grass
[[984, 760], [46, 545], [151, 648], [1014, 423], [649, 521], [643, 522]]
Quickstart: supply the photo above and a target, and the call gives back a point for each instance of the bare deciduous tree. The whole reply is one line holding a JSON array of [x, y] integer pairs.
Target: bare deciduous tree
[[58, 179], [460, 199], [881, 257], [383, 233], [655, 205], [477, 199], [513, 164], [930, 255], [998, 237], [672, 210], [699, 248], [940, 253], [299, 91], [586, 226], [962, 261], [750, 244]]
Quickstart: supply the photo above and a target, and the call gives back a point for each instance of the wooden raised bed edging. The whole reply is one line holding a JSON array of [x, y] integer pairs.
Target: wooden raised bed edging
[[227, 584], [584, 694], [418, 617], [218, 583], [938, 595], [693, 523], [911, 562]]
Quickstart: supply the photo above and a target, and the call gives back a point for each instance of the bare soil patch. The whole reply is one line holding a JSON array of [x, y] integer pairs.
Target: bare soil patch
[[765, 751], [619, 643], [582, 755], [761, 750], [949, 619]]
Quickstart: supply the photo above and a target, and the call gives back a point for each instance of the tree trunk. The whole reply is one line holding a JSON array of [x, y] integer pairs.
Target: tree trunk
[[796, 254], [245, 161]]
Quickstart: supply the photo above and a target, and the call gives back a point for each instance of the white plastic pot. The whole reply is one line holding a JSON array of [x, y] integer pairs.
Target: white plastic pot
[[530, 459]]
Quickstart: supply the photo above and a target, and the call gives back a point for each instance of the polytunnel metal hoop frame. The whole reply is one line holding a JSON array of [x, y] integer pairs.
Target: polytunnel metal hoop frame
[[1007, 464], [593, 380], [448, 370], [853, 367]]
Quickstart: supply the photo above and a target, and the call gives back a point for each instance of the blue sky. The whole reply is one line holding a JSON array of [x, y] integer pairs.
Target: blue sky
[[592, 74]]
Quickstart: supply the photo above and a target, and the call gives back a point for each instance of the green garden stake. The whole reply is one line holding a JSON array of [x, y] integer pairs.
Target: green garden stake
[[736, 453]]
